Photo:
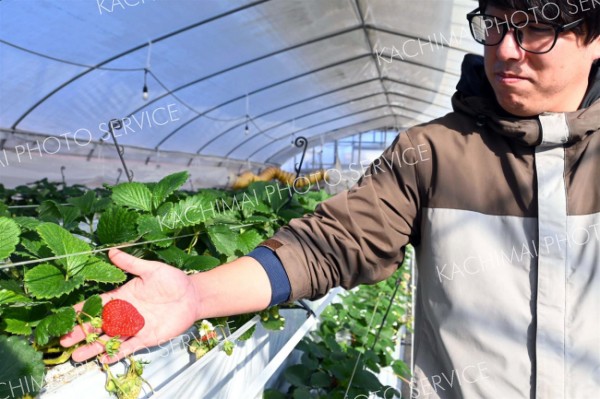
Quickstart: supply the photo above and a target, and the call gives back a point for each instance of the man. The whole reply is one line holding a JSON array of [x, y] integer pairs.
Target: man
[[503, 213]]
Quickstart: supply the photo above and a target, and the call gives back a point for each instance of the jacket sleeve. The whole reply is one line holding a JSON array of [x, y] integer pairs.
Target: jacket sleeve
[[357, 236]]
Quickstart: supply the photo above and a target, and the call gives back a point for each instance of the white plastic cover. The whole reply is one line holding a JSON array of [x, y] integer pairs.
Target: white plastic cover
[[283, 68]]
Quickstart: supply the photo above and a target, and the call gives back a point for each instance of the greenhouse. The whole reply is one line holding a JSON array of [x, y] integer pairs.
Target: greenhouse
[[299, 199]]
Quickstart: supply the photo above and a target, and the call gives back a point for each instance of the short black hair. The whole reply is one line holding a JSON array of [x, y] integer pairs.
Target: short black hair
[[557, 11]]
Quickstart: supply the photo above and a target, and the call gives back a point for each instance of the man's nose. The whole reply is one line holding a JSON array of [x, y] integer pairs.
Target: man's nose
[[508, 48]]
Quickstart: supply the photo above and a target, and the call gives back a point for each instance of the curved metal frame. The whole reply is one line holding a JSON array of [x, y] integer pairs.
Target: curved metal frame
[[327, 108], [131, 50], [335, 134], [335, 64], [237, 125], [363, 25], [322, 123], [350, 86]]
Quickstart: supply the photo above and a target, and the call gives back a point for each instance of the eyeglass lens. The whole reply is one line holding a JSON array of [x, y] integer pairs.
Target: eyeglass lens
[[534, 37]]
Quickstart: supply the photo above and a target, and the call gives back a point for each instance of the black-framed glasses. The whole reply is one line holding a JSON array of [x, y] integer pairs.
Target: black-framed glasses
[[531, 35]]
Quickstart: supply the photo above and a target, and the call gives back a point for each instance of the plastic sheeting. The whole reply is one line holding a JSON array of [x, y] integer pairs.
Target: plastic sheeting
[[234, 80]]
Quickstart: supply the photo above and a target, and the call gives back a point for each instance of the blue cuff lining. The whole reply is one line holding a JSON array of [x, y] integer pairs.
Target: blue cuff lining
[[280, 283]]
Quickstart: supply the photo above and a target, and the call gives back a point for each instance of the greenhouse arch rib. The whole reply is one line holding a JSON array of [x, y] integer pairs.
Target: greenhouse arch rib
[[396, 33], [131, 50], [322, 123], [317, 111], [218, 136], [335, 133], [368, 40], [293, 47], [313, 97], [242, 64], [335, 64]]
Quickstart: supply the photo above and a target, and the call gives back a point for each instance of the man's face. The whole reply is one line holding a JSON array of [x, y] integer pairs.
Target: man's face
[[528, 84]]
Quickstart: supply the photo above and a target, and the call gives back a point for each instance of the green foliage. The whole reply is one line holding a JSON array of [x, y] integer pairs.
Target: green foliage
[[133, 195], [9, 237], [343, 354], [61, 246], [20, 366], [92, 307]]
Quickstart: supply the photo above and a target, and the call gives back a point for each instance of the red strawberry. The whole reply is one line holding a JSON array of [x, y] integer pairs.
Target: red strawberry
[[209, 335], [121, 318]]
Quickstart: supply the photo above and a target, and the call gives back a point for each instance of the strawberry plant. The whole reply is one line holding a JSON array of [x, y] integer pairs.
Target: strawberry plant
[[55, 256], [353, 342]]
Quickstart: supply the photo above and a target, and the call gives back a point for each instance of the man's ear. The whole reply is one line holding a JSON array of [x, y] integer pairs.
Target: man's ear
[[595, 45]]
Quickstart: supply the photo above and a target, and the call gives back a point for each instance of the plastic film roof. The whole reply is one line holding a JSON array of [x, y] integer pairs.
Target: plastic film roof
[[322, 69]]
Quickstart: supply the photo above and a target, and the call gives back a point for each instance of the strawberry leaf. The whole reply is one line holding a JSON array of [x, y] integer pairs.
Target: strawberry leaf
[[34, 246], [151, 229], [59, 323], [117, 225], [48, 212], [17, 327], [173, 256], [20, 362], [230, 242], [188, 212], [92, 307], [61, 243], [88, 204], [70, 216], [133, 195], [179, 258], [248, 240], [27, 223], [201, 263], [224, 239], [10, 296], [11, 285], [102, 272], [167, 186], [85, 203], [9, 237], [51, 211], [4, 210], [47, 281]]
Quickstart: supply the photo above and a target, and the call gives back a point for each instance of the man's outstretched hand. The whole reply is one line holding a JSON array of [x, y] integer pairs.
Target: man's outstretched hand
[[164, 295]]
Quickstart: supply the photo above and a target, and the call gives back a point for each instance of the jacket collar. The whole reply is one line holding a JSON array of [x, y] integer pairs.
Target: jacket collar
[[475, 97]]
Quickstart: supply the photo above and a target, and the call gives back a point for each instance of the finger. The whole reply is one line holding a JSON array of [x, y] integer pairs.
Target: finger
[[130, 263], [89, 351], [128, 347], [78, 334]]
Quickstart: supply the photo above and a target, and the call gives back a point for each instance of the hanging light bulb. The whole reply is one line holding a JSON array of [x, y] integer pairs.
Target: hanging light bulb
[[247, 129], [145, 89]]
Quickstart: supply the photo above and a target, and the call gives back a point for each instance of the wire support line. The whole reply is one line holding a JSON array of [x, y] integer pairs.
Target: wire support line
[[185, 104], [5, 266], [67, 61], [31, 206], [140, 69], [359, 355], [260, 131]]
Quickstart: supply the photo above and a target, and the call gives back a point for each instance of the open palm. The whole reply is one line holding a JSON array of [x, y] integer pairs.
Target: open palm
[[163, 295]]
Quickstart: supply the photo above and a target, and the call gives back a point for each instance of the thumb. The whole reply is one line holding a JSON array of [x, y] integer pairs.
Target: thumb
[[131, 264]]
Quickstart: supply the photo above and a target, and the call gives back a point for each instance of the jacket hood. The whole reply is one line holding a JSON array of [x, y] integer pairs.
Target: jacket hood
[[475, 97]]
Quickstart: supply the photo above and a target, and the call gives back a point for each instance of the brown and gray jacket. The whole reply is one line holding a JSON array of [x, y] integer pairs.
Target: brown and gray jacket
[[504, 215]]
